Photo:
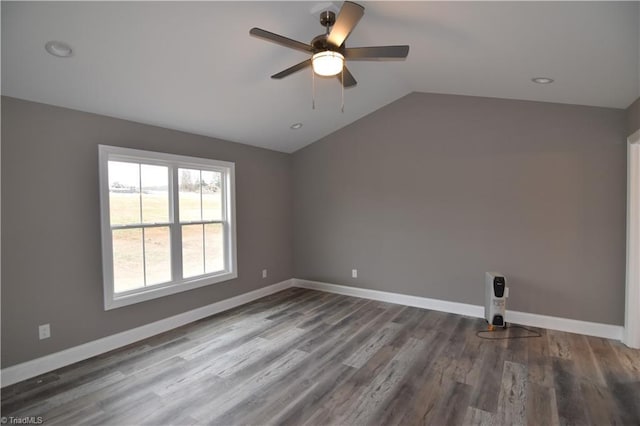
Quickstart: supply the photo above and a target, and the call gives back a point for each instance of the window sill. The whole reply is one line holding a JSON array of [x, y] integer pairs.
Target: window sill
[[116, 301]]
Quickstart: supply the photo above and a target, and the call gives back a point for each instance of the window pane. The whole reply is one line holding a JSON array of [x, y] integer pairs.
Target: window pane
[[155, 193], [192, 250], [157, 255], [211, 195], [189, 194], [213, 247], [128, 273], [124, 193]]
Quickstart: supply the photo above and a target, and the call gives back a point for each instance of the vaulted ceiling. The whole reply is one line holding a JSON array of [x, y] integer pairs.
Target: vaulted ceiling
[[193, 66]]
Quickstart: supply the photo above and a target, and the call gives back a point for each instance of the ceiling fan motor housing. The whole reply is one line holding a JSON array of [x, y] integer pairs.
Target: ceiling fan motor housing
[[320, 44]]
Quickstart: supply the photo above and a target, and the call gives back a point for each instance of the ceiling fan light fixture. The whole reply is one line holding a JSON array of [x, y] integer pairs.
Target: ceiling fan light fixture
[[327, 63]]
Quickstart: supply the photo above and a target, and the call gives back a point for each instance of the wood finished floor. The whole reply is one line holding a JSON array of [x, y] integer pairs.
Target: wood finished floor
[[306, 357]]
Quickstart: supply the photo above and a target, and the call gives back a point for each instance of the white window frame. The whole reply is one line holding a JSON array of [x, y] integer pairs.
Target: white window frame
[[114, 300]]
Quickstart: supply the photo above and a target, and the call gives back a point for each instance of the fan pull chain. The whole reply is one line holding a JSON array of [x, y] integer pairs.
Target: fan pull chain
[[313, 90], [342, 78]]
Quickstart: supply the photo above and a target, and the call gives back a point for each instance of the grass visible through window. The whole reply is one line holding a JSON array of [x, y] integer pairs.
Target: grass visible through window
[[127, 244]]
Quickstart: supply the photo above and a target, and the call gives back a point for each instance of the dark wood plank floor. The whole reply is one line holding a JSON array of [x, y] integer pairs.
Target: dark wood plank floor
[[306, 357]]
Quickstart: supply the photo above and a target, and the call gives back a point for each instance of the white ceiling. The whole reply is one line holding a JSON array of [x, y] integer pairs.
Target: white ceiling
[[194, 67]]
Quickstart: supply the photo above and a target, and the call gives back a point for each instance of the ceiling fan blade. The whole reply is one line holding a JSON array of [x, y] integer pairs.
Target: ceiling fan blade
[[376, 52], [348, 81], [346, 21], [281, 40], [292, 69]]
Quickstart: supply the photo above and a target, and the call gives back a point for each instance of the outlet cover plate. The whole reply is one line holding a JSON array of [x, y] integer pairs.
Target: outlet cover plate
[[44, 331]]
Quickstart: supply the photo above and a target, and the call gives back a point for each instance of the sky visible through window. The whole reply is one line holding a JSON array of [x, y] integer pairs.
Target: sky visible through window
[[127, 175]]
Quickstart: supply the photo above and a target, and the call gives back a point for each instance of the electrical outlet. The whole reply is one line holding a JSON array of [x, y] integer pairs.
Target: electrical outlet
[[264, 273], [44, 331], [354, 273]]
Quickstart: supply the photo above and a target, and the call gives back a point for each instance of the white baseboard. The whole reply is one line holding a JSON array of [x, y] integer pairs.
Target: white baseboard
[[400, 299], [524, 318], [35, 367], [588, 328]]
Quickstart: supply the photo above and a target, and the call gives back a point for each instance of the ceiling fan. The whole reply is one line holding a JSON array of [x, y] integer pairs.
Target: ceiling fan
[[328, 51]]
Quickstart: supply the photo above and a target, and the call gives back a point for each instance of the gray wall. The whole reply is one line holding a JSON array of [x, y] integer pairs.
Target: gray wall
[[51, 265], [422, 196], [633, 117], [426, 194]]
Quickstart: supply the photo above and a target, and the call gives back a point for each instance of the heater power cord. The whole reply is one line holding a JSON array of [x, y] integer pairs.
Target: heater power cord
[[480, 333]]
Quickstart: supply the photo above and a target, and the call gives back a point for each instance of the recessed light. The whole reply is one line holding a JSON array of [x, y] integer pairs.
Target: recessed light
[[59, 49], [295, 126], [542, 80]]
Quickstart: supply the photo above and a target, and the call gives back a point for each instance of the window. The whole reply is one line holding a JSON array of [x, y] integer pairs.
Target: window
[[168, 224]]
